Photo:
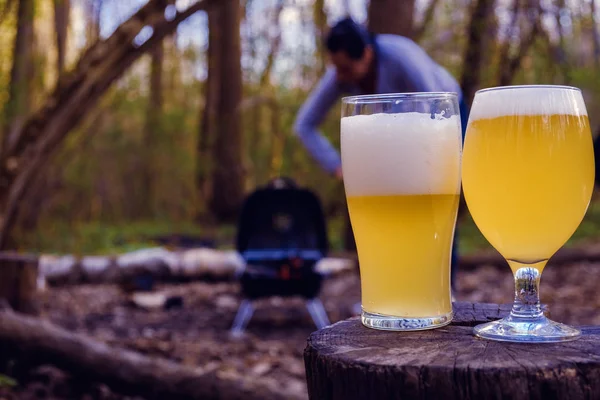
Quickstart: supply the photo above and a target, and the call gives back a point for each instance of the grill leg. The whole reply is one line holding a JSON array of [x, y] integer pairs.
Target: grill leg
[[317, 312], [242, 318]]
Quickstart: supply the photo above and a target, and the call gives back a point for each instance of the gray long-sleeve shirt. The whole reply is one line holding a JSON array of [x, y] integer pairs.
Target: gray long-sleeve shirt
[[402, 67]]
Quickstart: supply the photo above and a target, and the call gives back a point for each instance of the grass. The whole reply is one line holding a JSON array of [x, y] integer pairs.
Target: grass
[[100, 238]]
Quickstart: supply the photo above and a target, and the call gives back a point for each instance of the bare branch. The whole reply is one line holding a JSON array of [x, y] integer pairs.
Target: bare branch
[[275, 44], [427, 18]]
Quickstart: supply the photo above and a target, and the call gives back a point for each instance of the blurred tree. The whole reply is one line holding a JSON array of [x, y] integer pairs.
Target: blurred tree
[[153, 130], [530, 11], [427, 19], [29, 146], [208, 120], [557, 55], [391, 16], [320, 20], [227, 191], [62, 9], [93, 9], [6, 9], [472, 62], [264, 132], [595, 36], [18, 106], [41, 186]]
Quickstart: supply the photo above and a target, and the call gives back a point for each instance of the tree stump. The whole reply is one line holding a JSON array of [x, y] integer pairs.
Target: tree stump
[[18, 282], [349, 361]]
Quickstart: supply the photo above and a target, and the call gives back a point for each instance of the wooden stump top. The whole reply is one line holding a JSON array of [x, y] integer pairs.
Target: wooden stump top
[[349, 361]]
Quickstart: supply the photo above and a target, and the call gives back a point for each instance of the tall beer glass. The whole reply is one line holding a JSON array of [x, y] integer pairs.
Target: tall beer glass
[[528, 175], [401, 167]]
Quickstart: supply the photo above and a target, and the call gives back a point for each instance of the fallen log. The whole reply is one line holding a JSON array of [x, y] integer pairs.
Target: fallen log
[[159, 263], [39, 342]]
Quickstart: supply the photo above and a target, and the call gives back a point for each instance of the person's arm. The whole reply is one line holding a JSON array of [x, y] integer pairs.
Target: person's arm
[[310, 116]]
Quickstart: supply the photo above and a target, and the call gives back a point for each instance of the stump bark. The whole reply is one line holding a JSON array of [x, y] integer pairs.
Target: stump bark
[[349, 361]]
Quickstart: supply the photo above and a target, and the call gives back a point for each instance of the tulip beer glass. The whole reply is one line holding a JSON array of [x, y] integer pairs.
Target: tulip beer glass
[[528, 175]]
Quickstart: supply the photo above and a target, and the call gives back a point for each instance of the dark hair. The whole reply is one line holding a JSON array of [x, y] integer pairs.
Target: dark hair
[[349, 37]]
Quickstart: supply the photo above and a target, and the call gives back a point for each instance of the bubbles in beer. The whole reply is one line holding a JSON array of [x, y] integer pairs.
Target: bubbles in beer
[[406, 153]]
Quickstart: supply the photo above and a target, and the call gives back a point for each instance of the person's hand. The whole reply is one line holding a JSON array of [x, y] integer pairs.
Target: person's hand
[[338, 173]]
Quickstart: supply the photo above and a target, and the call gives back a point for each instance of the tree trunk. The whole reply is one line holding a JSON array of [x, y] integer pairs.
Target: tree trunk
[[208, 122], [38, 342], [18, 106], [510, 65], [557, 60], [79, 91], [391, 16], [510, 31], [93, 10], [475, 50], [595, 35], [40, 189], [263, 135], [320, 20], [265, 77], [348, 361], [152, 132], [19, 282], [277, 141], [228, 174], [61, 23]]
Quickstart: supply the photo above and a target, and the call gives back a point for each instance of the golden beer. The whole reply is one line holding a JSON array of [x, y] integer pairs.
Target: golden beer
[[404, 244], [528, 176], [402, 179], [528, 180]]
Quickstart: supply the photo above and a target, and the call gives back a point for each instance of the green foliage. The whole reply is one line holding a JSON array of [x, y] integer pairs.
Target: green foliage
[[88, 238], [6, 381], [95, 199]]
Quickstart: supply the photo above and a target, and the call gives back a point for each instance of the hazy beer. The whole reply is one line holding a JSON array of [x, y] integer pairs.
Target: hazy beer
[[402, 178], [528, 170], [528, 175]]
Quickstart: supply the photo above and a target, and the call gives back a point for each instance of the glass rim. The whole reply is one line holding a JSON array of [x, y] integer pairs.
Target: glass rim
[[509, 87], [360, 98]]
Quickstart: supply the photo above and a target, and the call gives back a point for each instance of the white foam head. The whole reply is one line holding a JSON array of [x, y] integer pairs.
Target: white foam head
[[527, 100], [408, 153]]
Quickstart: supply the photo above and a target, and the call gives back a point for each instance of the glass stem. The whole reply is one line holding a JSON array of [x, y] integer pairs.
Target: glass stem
[[527, 295]]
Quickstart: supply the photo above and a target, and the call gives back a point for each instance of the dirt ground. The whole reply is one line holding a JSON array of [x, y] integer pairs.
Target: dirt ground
[[271, 350]]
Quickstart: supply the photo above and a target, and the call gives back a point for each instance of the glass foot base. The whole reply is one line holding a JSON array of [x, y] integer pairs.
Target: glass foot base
[[391, 323], [535, 330]]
